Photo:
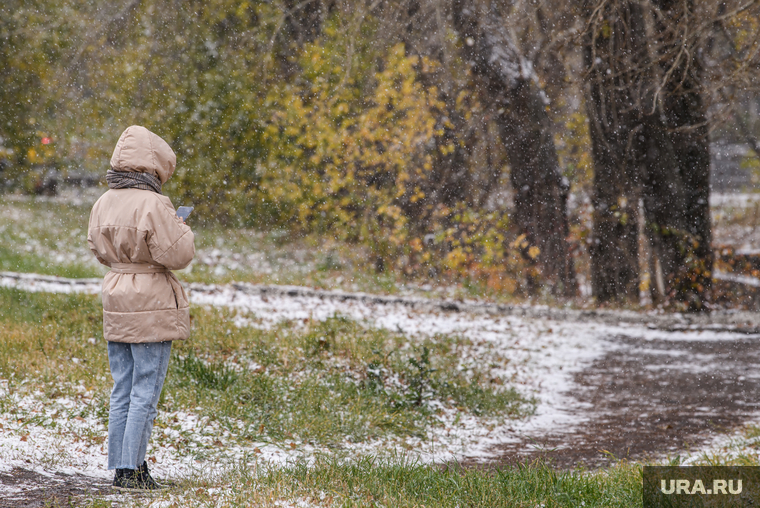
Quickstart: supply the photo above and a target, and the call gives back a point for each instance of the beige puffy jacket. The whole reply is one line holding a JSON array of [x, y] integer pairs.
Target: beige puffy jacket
[[139, 236]]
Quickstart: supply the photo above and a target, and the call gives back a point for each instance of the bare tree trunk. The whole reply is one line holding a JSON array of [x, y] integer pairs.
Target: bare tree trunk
[[677, 160], [664, 200], [509, 86], [648, 129], [686, 120], [614, 43]]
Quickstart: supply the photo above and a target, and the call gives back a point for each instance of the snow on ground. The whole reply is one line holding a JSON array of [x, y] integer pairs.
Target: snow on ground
[[49, 283], [539, 357], [734, 199], [743, 235], [738, 278], [739, 444], [743, 238], [38, 431], [49, 437]]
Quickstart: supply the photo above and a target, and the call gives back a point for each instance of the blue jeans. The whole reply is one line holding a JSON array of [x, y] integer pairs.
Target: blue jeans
[[138, 372]]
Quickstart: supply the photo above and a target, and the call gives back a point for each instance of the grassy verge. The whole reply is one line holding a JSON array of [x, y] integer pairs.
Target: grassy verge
[[318, 383], [400, 483], [45, 237]]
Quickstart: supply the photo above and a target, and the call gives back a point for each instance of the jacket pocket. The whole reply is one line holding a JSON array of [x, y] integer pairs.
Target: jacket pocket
[[180, 298]]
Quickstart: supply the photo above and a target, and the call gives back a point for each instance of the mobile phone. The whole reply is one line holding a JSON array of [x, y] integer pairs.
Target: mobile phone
[[184, 211]]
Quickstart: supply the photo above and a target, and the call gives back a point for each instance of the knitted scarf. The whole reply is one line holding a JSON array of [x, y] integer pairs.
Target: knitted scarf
[[130, 180]]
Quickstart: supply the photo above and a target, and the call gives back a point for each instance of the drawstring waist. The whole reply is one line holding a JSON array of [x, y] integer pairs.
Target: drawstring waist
[[137, 268]]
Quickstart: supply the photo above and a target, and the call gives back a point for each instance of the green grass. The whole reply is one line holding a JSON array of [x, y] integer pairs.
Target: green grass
[[43, 332], [327, 380], [44, 237], [399, 482], [313, 383], [11, 261], [367, 482]]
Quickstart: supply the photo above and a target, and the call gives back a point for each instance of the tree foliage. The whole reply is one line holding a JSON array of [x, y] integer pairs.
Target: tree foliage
[[441, 136]]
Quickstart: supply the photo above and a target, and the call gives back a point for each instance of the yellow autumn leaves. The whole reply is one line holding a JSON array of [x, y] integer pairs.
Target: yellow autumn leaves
[[350, 149], [342, 152]]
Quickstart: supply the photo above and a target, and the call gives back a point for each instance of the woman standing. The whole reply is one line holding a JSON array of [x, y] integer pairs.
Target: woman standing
[[135, 231]]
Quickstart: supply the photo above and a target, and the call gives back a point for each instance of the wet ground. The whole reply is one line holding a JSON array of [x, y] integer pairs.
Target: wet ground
[[647, 399], [24, 488]]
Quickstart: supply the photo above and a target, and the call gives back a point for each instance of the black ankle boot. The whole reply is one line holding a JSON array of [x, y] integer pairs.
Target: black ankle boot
[[125, 479], [144, 475], [135, 480]]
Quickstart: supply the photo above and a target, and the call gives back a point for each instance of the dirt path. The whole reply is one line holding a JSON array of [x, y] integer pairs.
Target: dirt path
[[29, 489], [649, 398]]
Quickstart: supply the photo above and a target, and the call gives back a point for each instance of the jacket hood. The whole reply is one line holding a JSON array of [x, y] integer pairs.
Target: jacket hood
[[141, 151]]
